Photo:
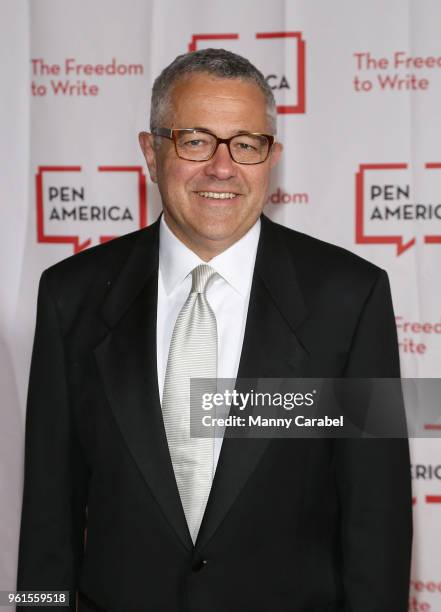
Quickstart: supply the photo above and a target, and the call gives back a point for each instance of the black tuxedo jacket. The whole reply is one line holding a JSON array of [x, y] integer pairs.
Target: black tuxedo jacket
[[291, 525]]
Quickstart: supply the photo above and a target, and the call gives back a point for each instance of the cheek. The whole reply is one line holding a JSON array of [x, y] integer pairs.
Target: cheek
[[258, 183], [177, 177]]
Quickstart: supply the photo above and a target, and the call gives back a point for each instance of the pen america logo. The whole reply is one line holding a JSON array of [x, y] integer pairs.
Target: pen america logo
[[81, 206], [281, 57], [398, 204]]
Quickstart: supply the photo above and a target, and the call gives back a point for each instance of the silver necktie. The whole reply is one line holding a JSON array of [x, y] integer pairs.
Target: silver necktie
[[192, 354]]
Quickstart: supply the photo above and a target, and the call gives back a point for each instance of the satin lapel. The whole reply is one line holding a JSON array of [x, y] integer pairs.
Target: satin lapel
[[127, 362], [270, 350]]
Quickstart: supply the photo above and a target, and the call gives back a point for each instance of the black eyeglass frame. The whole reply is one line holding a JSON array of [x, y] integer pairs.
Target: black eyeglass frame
[[170, 133]]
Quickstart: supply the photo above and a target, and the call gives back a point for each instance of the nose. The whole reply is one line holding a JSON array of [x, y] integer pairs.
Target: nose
[[221, 166]]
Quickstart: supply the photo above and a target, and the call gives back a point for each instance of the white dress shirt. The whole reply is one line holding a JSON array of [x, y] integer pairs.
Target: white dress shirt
[[228, 296]]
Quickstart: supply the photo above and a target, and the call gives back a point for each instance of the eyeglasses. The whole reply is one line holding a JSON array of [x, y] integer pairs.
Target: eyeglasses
[[195, 144]]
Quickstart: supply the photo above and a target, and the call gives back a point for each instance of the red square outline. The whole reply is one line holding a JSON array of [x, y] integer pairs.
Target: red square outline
[[301, 61], [360, 236], [42, 237]]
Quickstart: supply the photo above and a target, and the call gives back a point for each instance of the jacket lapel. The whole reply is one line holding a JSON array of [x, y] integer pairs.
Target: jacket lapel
[[127, 362], [270, 350]]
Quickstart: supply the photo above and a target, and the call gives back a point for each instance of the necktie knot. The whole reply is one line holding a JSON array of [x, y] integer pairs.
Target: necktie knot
[[201, 275]]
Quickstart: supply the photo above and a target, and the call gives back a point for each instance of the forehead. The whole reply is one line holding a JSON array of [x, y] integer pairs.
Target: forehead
[[222, 105]]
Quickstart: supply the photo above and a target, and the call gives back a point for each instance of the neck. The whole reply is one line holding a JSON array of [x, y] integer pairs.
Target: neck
[[204, 248]]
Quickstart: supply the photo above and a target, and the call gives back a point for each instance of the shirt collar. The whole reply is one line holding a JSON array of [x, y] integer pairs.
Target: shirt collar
[[235, 264]]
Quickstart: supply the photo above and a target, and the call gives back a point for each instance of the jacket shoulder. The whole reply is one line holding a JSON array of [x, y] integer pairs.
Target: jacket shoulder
[[326, 273], [97, 261], [320, 258], [82, 281]]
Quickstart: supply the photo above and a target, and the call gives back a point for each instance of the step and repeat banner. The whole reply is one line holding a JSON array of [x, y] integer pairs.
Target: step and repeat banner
[[358, 90]]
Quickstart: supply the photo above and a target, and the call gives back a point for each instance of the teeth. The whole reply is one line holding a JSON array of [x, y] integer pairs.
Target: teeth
[[224, 195]]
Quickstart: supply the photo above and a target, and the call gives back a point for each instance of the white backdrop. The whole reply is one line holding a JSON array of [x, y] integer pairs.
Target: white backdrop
[[358, 86]]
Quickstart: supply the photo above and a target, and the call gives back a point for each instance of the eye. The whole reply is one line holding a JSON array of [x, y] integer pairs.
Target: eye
[[195, 140], [245, 146], [195, 143]]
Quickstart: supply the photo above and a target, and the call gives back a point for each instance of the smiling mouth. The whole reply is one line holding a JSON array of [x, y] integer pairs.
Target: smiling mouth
[[218, 195]]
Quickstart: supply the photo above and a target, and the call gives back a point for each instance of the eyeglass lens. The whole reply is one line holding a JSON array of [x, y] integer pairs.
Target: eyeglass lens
[[199, 146]]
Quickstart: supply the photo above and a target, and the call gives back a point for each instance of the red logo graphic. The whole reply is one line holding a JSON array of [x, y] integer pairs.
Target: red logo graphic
[[296, 73], [394, 215], [64, 216], [429, 499]]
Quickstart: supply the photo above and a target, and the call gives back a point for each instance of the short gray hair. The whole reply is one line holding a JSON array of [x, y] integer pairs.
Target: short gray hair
[[216, 62]]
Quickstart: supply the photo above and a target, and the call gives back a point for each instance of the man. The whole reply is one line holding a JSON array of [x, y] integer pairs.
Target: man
[[212, 288]]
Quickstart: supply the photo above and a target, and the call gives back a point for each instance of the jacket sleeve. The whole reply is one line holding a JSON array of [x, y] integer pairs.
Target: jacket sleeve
[[55, 473], [373, 478]]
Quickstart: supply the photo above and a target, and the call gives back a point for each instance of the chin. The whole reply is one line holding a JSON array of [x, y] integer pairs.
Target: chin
[[216, 234]]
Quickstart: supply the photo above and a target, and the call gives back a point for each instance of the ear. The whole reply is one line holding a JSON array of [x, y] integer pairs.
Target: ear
[[148, 149], [276, 153]]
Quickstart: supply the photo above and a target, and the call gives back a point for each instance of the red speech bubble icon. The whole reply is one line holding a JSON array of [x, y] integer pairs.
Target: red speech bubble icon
[[299, 106], [69, 233], [360, 236]]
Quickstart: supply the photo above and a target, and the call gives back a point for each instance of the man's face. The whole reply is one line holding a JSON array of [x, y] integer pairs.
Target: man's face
[[209, 225]]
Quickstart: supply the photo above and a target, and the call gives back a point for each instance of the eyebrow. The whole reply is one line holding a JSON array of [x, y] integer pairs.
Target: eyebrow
[[236, 133]]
